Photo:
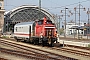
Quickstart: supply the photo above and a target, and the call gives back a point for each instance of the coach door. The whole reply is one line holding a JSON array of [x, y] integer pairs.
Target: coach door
[[29, 31]]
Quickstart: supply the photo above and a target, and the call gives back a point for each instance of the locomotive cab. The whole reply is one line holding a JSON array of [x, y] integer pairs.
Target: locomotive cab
[[46, 29]]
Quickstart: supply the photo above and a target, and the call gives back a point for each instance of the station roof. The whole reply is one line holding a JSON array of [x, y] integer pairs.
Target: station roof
[[27, 13]]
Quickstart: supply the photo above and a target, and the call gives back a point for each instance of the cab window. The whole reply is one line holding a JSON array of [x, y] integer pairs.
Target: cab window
[[40, 22], [49, 22]]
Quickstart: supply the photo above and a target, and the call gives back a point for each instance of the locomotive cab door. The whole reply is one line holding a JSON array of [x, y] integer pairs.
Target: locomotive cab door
[[49, 34]]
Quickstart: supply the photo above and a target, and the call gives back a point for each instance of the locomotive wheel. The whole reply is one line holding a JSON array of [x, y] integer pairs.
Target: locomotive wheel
[[52, 44], [25, 41], [31, 40], [49, 41], [17, 40], [36, 41], [43, 43], [57, 44]]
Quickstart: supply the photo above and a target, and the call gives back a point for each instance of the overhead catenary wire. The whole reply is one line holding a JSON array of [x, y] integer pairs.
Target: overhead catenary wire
[[68, 4]]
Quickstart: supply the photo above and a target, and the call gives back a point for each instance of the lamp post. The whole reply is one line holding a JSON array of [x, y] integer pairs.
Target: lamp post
[[65, 21], [80, 7], [75, 19], [88, 12], [75, 14], [39, 9], [88, 24], [59, 23]]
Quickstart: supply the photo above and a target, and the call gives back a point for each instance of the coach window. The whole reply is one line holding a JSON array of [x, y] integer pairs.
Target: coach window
[[16, 29]]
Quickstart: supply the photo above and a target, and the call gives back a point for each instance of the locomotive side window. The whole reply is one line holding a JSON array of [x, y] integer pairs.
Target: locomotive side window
[[49, 22], [40, 22]]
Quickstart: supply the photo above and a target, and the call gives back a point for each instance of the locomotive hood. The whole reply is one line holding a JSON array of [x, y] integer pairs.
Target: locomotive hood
[[49, 26]]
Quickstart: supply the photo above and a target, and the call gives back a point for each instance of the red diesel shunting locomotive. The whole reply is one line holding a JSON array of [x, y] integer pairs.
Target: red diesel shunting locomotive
[[42, 31]]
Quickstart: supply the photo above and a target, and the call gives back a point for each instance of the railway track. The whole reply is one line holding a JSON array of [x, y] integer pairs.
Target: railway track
[[74, 39], [74, 51], [79, 47], [3, 59], [23, 54], [66, 45], [30, 52]]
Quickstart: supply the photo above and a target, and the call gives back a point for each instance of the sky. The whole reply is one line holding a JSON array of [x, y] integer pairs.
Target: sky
[[47, 4], [53, 6]]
